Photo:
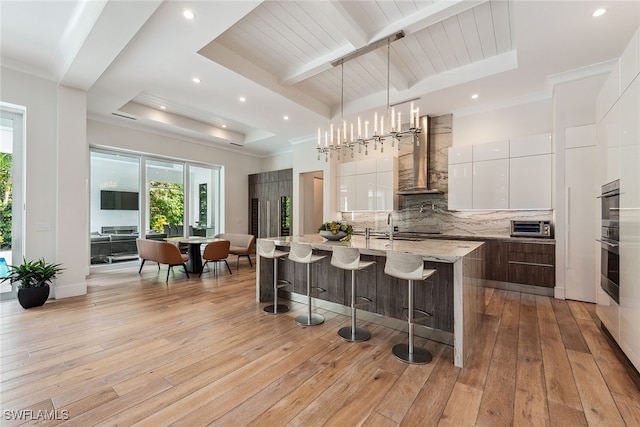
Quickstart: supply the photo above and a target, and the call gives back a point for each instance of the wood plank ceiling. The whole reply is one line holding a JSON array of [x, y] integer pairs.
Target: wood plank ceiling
[[296, 42]]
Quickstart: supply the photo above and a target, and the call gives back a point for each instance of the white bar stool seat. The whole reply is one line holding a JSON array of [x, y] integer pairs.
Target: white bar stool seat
[[267, 249], [409, 267], [303, 253], [349, 259]]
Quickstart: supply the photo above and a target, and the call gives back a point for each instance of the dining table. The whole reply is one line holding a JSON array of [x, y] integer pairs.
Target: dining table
[[194, 265]]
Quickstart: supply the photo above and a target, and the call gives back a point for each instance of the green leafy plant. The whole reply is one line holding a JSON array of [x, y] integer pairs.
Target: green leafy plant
[[335, 227], [32, 274]]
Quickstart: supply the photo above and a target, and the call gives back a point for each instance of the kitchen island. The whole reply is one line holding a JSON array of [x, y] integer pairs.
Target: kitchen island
[[454, 295]]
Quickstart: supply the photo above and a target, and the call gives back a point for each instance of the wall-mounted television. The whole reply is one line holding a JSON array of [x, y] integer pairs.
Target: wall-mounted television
[[118, 200]]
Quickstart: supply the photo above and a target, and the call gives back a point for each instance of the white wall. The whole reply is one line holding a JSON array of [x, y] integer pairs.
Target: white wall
[[517, 120], [278, 162], [55, 173], [236, 166], [305, 159]]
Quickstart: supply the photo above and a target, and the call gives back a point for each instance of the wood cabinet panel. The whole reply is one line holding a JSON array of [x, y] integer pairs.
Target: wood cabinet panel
[[520, 262]]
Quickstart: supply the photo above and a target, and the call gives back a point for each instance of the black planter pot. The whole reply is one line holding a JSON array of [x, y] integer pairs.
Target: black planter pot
[[33, 297]]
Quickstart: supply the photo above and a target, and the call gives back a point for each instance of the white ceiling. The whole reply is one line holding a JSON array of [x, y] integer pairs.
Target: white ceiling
[[134, 56]]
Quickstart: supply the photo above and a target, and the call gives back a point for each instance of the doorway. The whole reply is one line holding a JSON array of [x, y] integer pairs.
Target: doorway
[[311, 200], [11, 194]]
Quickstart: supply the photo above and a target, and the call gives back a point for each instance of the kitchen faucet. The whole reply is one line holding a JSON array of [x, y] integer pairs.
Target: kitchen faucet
[[390, 224]]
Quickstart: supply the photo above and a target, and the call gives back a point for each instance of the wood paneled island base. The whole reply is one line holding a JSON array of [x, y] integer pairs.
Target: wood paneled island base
[[454, 295]]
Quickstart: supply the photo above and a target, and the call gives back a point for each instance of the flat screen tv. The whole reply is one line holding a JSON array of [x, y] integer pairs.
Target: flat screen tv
[[118, 200]]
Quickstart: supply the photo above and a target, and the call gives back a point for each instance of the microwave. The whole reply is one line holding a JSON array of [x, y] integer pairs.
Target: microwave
[[531, 229]]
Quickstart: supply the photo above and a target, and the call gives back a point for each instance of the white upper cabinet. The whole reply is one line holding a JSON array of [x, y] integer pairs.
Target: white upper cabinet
[[530, 145], [630, 62], [346, 169], [365, 192], [461, 186], [530, 182], [491, 184], [460, 154], [609, 93], [491, 151], [580, 136], [385, 190], [366, 185], [384, 164], [365, 166]]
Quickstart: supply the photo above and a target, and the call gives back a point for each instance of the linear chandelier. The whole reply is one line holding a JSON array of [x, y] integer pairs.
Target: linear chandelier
[[345, 137]]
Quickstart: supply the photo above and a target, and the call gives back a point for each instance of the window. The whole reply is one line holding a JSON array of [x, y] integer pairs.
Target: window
[[175, 194]]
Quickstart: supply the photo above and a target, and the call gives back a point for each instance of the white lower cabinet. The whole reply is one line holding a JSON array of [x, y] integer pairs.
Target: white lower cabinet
[[491, 184], [461, 186], [530, 182]]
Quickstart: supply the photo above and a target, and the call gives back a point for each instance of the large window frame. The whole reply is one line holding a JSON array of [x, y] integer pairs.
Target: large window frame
[[215, 191]]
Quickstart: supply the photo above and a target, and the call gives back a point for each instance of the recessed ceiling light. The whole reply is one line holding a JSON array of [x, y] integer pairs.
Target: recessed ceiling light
[[162, 107], [242, 99], [224, 126], [188, 14], [474, 96], [196, 80], [286, 117], [598, 12]]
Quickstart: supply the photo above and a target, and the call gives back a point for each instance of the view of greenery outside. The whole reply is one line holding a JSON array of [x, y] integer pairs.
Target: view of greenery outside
[[166, 204], [5, 200]]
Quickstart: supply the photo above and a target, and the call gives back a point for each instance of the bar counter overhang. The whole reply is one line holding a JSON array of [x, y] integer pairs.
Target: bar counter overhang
[[456, 294]]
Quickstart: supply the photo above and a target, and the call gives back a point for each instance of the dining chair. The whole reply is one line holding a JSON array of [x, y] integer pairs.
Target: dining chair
[[216, 252]]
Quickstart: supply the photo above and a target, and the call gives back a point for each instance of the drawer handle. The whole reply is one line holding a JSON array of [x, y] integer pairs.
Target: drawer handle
[[535, 264]]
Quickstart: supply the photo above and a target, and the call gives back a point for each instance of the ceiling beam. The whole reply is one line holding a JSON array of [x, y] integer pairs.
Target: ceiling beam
[[437, 12]]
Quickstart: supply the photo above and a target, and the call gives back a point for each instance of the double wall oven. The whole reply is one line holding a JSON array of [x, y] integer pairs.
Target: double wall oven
[[610, 239]]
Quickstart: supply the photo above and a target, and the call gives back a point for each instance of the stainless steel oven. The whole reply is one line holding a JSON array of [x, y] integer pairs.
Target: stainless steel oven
[[609, 240]]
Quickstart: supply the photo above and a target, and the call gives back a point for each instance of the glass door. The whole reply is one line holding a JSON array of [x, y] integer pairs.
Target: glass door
[[165, 197], [11, 196]]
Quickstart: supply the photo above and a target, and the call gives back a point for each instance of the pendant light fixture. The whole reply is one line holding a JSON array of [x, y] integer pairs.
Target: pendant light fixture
[[338, 140]]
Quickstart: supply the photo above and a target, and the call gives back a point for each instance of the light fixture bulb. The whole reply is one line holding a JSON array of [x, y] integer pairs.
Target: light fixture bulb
[[188, 14], [196, 80], [599, 12], [242, 99], [474, 96]]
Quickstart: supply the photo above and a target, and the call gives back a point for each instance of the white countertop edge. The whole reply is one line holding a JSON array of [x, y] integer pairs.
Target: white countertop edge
[[437, 250]]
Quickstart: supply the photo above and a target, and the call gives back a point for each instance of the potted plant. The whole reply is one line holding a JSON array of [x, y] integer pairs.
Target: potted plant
[[34, 278], [334, 230]]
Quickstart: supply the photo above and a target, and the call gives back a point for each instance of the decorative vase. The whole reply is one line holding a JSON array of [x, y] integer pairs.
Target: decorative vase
[[327, 234], [33, 297]]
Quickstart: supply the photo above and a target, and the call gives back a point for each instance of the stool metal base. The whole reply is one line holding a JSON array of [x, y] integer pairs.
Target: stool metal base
[[420, 356], [361, 334], [281, 309], [309, 319]]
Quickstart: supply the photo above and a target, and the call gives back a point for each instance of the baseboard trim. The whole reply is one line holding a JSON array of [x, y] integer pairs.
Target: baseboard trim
[[518, 287], [68, 291]]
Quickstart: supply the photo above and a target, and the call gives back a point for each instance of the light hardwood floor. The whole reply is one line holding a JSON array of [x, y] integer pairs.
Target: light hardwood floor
[[202, 352]]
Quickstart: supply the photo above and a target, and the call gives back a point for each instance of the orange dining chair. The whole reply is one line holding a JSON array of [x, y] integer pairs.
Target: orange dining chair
[[216, 252]]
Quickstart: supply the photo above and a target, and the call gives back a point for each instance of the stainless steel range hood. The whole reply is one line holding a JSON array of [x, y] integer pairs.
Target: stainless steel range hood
[[413, 163]]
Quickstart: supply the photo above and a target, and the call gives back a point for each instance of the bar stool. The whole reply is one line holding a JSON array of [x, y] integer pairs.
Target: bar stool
[[409, 267], [267, 249], [349, 259], [303, 253]]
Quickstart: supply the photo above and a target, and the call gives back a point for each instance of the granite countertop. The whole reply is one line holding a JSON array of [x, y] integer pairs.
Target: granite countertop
[[439, 250]]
